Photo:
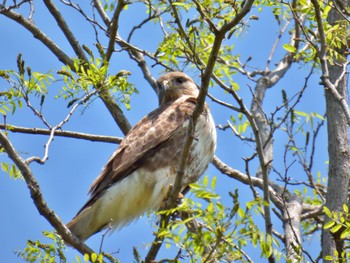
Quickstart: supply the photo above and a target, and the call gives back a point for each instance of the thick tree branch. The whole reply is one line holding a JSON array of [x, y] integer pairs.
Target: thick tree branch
[[115, 111], [322, 54], [291, 225], [38, 199]]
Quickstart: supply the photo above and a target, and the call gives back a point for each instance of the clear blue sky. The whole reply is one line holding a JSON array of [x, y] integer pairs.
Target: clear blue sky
[[73, 164]]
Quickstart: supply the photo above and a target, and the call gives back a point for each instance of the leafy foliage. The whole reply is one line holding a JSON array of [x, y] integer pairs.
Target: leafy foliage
[[204, 228], [22, 84], [12, 170], [339, 224], [35, 251], [87, 76]]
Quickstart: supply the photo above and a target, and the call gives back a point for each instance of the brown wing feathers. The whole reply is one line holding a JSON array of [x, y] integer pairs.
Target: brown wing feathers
[[156, 128]]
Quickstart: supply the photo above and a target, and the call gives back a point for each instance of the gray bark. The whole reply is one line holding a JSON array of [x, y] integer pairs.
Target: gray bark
[[292, 204], [338, 148], [291, 225]]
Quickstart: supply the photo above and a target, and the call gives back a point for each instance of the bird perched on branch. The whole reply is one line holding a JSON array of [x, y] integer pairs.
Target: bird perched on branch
[[137, 177]]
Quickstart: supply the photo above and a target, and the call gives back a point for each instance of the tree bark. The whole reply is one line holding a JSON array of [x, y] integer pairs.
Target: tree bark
[[291, 225], [338, 146]]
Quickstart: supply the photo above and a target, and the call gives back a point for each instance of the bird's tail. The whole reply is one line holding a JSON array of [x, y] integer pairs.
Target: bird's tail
[[83, 226]]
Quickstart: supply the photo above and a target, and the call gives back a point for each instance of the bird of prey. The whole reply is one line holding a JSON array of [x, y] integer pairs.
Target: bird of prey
[[137, 177]]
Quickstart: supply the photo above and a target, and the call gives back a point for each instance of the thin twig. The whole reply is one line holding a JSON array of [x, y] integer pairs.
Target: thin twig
[[272, 52], [59, 126]]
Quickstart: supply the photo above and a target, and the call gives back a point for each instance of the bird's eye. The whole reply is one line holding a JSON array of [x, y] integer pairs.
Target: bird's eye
[[180, 80]]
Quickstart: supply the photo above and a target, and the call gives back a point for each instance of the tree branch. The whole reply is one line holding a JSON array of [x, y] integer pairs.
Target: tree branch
[[37, 33], [322, 54], [106, 97], [65, 29], [113, 28], [38, 199], [243, 178], [61, 133], [206, 76], [135, 53]]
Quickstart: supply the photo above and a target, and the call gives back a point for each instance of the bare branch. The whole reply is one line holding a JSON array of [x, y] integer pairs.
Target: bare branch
[[275, 45], [113, 28], [65, 29], [243, 178], [237, 133], [223, 103], [156, 14], [38, 199], [61, 133], [102, 13], [59, 126]]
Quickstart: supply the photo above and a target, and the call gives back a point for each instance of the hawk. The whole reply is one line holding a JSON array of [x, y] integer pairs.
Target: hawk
[[137, 177]]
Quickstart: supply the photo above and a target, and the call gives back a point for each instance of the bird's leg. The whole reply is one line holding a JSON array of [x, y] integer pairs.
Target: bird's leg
[[163, 204], [165, 200]]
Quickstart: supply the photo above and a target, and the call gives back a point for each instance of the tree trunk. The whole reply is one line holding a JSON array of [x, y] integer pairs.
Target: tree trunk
[[338, 147]]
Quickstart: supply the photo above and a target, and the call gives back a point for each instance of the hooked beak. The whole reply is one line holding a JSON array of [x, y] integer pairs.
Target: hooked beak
[[162, 88]]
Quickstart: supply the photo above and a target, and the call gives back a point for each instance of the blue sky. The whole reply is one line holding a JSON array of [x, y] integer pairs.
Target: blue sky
[[73, 164]]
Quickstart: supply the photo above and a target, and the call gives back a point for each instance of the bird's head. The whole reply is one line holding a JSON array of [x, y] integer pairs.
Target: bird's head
[[174, 85]]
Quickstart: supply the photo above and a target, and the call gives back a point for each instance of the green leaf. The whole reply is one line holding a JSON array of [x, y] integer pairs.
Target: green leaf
[[330, 258], [336, 228], [345, 208], [327, 212], [93, 257], [205, 181], [241, 212], [345, 234], [289, 48], [327, 9], [301, 113], [5, 167], [329, 224], [213, 183], [179, 4]]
